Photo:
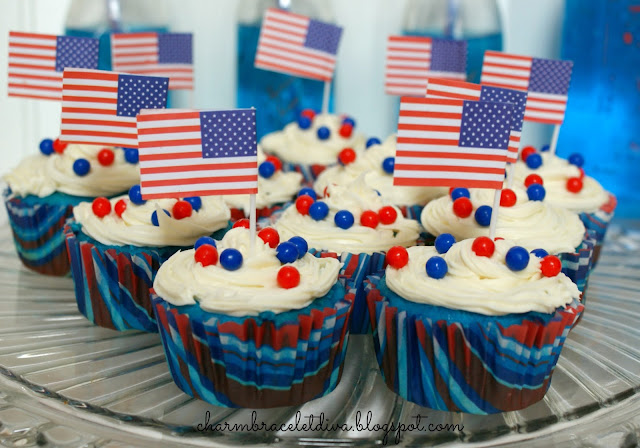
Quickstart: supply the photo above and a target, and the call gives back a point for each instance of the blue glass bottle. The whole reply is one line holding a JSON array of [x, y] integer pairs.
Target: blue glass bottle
[[279, 97], [603, 112]]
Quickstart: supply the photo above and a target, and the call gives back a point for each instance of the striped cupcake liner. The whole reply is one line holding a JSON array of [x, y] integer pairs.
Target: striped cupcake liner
[[411, 211], [598, 222], [38, 233], [264, 361], [112, 282], [459, 361], [579, 264]]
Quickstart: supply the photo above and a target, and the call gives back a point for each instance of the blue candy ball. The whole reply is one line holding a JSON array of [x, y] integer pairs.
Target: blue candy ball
[[535, 192], [304, 122], [131, 155], [266, 169], [544, 148], [349, 120], [389, 164], [309, 192], [483, 215], [517, 258], [344, 219], [81, 167], [195, 201], [460, 193], [576, 159], [287, 252], [154, 217], [136, 195], [373, 141], [301, 245], [324, 133], [444, 242], [46, 146], [318, 211], [436, 267], [540, 253], [204, 240], [534, 161], [231, 259]]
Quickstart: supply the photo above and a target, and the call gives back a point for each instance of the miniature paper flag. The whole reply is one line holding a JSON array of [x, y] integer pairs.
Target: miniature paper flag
[[461, 90], [451, 143], [156, 54], [100, 107], [411, 60], [297, 45], [194, 153], [36, 62], [546, 80]]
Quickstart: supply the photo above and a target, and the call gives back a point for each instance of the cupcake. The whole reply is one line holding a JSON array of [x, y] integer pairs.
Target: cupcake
[[568, 187], [377, 162], [241, 328], [524, 218], [275, 188], [44, 188], [354, 223], [462, 330], [116, 247], [312, 143]]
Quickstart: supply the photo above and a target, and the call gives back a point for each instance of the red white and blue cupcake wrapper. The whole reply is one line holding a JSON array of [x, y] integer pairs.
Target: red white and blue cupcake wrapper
[[411, 211], [460, 361], [598, 222], [112, 283], [38, 234], [263, 361], [578, 265]]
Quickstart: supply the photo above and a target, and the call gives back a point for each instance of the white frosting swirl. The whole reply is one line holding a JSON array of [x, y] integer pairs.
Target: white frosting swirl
[[251, 289], [135, 227], [278, 189], [42, 175], [554, 172], [297, 145], [482, 285], [369, 161], [532, 224], [356, 197]]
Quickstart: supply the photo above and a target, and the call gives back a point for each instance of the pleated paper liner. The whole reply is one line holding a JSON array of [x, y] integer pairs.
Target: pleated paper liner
[[112, 282], [460, 361], [598, 222], [264, 361]]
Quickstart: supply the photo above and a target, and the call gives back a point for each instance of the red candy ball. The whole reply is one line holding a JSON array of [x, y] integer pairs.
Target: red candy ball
[[288, 277], [347, 156], [58, 146], [270, 236], [181, 210], [507, 198], [206, 255], [532, 179], [244, 222], [462, 207], [309, 113], [276, 162], [397, 257], [106, 157], [369, 218], [387, 215], [345, 130], [101, 207], [451, 190], [303, 203], [574, 184], [550, 266], [120, 207], [526, 152], [483, 246]]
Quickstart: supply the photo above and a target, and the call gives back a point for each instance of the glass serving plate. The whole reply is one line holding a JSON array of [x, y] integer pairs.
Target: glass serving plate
[[65, 382]]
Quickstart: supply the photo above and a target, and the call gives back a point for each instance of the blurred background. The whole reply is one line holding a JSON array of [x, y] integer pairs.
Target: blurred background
[[602, 37]]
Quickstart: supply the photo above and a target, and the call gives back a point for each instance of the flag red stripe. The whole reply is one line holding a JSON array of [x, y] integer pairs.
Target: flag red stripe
[[547, 100], [101, 76], [425, 58], [42, 77], [453, 168], [32, 56], [26, 95], [170, 156], [504, 86], [118, 45], [196, 167], [168, 116], [446, 155], [36, 67], [84, 133], [507, 76], [84, 99], [427, 141], [287, 69], [426, 127], [421, 40], [169, 130], [198, 180], [168, 143], [268, 45], [467, 183], [34, 46], [32, 35], [118, 37], [265, 51], [499, 54], [543, 119], [392, 76], [23, 86], [182, 194], [268, 26], [433, 101], [416, 113], [91, 88], [84, 110], [122, 124]]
